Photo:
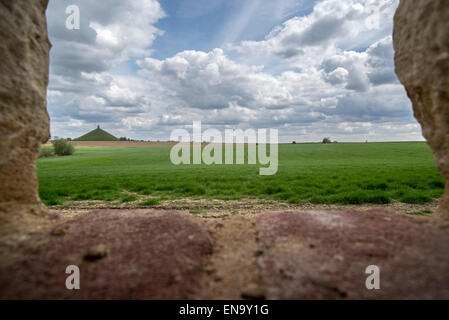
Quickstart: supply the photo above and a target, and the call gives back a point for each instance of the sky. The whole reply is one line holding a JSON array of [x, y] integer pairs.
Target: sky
[[311, 69]]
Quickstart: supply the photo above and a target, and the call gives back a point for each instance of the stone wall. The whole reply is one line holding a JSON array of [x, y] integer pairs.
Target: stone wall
[[421, 41], [24, 122]]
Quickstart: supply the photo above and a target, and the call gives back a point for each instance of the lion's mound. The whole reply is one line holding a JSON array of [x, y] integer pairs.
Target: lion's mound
[[97, 135]]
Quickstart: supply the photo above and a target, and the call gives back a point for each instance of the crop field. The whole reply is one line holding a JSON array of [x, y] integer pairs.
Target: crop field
[[343, 173]]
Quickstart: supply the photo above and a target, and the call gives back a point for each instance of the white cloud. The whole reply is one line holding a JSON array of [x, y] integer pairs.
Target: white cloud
[[329, 73], [110, 32], [333, 24], [213, 81]]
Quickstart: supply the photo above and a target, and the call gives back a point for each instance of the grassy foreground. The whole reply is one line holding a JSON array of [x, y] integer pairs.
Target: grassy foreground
[[345, 173]]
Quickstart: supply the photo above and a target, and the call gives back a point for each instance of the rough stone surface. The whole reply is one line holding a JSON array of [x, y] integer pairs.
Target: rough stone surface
[[24, 122], [421, 41], [147, 254], [324, 255], [133, 254], [232, 266]]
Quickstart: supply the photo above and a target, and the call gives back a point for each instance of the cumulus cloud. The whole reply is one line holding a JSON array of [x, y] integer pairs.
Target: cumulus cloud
[[360, 70], [326, 73], [332, 24], [109, 33], [213, 81], [372, 106], [83, 86], [380, 62]]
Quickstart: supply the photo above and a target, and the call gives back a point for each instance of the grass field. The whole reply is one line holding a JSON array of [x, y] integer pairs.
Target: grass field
[[344, 173]]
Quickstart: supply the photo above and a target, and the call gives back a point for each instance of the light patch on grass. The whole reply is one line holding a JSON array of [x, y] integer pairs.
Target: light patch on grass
[[196, 211], [150, 202], [420, 213]]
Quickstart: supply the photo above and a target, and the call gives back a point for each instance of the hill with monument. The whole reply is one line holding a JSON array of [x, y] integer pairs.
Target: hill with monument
[[97, 134]]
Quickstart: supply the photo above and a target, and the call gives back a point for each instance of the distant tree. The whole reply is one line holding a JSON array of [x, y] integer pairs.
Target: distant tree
[[46, 152], [123, 139], [327, 140], [62, 147], [69, 139], [294, 142]]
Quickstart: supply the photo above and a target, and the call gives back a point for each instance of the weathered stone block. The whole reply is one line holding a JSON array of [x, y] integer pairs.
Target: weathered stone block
[[421, 41], [24, 122]]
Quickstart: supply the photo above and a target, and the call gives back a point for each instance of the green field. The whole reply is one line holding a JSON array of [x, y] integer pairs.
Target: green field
[[344, 173]]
